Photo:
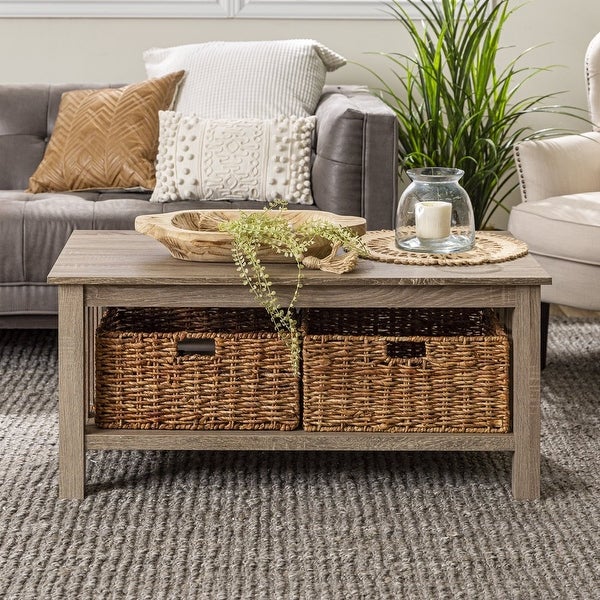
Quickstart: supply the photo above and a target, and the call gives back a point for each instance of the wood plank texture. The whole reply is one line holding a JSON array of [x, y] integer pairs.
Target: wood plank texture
[[525, 329], [71, 392], [322, 296], [130, 258], [119, 439]]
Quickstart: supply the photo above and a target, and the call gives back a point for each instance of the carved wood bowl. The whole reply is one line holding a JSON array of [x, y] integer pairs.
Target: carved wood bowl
[[194, 234]]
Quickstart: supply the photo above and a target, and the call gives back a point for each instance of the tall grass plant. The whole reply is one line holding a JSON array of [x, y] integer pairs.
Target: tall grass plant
[[456, 106]]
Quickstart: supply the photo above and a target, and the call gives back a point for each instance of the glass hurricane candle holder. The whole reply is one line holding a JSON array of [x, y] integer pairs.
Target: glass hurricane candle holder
[[435, 213]]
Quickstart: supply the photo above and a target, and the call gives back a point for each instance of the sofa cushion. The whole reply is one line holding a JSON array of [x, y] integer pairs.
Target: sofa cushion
[[563, 227], [241, 80], [35, 227], [213, 159], [106, 138], [574, 284]]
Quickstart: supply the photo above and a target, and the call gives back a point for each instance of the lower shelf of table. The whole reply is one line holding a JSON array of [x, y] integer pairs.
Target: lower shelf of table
[[130, 439]]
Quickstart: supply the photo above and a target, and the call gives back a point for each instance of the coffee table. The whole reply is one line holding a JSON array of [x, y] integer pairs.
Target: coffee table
[[123, 268]]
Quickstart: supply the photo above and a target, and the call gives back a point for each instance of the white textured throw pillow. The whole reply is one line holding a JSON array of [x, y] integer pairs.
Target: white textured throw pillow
[[240, 159], [241, 80]]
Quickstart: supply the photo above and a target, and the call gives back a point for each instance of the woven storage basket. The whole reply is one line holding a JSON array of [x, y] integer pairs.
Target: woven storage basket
[[193, 369], [405, 370]]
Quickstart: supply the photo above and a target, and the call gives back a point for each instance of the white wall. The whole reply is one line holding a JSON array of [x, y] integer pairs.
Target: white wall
[[84, 50]]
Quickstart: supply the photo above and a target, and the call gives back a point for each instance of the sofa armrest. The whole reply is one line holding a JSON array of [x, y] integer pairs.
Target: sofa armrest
[[559, 166], [355, 168]]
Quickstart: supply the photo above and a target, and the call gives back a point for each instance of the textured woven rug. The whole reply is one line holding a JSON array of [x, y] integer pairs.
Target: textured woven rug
[[225, 525]]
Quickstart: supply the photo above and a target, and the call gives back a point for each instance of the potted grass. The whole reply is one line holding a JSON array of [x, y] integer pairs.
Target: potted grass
[[456, 105]]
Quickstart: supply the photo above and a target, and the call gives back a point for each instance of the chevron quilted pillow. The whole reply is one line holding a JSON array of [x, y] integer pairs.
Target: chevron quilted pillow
[[106, 139]]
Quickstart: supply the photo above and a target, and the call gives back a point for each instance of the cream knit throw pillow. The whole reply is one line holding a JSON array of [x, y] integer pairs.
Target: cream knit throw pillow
[[239, 80]]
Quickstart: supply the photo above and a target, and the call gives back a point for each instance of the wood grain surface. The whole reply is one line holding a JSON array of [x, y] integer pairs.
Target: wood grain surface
[[128, 257]]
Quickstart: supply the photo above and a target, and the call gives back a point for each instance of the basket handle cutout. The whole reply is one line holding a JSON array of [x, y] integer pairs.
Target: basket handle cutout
[[406, 349], [202, 346]]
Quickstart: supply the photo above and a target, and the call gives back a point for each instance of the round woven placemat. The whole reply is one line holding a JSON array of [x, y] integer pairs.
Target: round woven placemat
[[489, 247]]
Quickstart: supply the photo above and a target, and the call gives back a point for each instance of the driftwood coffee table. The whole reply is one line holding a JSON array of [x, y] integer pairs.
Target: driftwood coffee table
[[117, 268]]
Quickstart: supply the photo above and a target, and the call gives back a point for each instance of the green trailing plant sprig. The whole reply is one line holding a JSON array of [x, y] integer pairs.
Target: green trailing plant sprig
[[455, 105], [255, 231]]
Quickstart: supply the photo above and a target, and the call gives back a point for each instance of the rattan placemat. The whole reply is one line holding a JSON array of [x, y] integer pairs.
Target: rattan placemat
[[490, 247]]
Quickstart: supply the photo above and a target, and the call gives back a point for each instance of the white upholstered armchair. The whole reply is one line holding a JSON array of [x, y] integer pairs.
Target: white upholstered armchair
[[559, 216]]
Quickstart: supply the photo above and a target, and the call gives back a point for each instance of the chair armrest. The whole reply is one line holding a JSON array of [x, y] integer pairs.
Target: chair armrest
[[568, 164], [355, 168]]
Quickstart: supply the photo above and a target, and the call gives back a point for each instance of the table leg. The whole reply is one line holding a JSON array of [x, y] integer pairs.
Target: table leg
[[526, 394], [71, 392]]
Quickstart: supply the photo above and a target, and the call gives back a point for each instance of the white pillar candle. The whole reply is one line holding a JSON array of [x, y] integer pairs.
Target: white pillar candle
[[432, 219]]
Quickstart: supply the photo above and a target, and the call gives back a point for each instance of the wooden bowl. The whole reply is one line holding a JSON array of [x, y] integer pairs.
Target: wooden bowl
[[194, 234]]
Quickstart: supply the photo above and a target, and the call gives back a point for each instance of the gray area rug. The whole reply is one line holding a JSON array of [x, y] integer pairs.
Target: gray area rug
[[223, 525]]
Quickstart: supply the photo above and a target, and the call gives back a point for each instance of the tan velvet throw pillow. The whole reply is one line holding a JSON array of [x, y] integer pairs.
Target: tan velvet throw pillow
[[106, 139]]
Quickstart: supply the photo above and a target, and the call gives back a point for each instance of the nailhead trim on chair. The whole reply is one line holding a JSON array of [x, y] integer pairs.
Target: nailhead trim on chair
[[520, 173], [588, 82], [593, 49]]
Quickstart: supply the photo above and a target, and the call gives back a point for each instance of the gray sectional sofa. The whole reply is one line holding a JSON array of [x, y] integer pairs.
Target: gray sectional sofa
[[354, 172]]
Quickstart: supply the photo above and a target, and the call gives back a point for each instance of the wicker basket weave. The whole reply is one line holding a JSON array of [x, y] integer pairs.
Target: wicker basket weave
[[405, 370], [193, 369]]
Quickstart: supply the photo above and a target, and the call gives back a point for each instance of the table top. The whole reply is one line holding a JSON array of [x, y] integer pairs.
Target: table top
[[130, 258]]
